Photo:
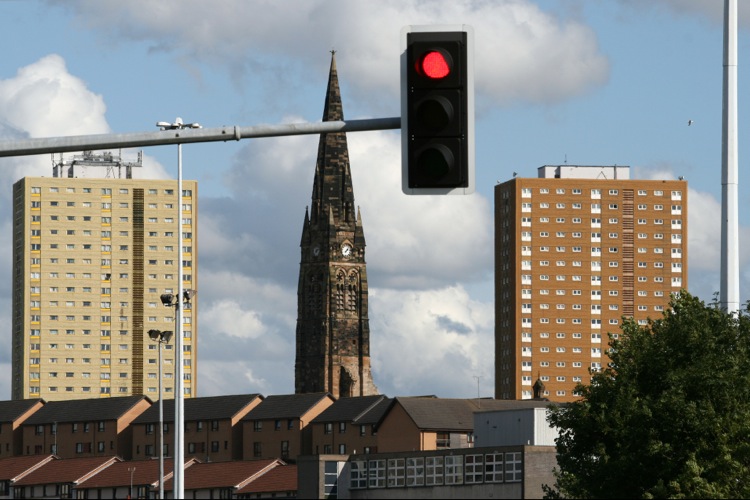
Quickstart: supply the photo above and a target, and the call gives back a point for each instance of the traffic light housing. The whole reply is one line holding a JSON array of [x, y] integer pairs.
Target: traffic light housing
[[437, 110]]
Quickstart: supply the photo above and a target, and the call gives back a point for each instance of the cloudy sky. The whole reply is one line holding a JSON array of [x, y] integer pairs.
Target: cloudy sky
[[557, 81]]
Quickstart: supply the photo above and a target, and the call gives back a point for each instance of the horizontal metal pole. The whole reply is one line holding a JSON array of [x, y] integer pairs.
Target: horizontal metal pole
[[25, 147]]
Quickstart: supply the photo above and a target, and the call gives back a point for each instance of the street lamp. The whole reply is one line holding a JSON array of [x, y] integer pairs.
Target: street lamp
[[171, 300], [132, 471], [161, 338], [179, 397]]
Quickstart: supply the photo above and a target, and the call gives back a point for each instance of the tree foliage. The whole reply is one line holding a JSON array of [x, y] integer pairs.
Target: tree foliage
[[670, 415]]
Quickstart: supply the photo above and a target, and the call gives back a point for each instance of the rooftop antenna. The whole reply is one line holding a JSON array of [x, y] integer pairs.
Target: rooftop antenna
[[479, 400]]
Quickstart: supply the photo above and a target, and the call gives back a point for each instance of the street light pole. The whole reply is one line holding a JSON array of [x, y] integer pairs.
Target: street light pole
[[161, 338], [179, 397], [131, 470], [161, 430]]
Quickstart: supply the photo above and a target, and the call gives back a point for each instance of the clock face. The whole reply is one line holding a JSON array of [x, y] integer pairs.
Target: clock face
[[316, 251], [346, 250]]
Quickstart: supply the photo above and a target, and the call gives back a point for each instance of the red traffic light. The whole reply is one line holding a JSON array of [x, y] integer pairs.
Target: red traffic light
[[435, 64], [437, 110]]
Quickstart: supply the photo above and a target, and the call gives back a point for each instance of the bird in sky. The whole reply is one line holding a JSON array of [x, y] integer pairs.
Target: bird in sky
[[690, 122]]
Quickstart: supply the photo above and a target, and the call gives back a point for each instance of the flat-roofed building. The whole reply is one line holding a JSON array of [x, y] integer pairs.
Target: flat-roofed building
[[91, 258], [578, 249]]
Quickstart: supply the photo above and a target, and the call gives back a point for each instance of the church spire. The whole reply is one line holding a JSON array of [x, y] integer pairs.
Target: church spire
[[333, 332], [332, 166], [333, 109]]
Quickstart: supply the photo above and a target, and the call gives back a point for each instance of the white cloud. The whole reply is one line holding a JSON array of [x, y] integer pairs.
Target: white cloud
[[45, 100], [441, 338], [523, 53], [416, 241]]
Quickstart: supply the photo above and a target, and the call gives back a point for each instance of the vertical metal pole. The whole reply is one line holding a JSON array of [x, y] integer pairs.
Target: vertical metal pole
[[131, 470], [161, 426], [179, 426], [730, 287]]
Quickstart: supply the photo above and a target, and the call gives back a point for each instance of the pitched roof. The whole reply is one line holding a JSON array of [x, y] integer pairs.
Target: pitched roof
[[286, 406], [206, 408], [69, 470], [145, 472], [82, 410], [348, 409], [438, 414], [455, 414], [282, 478], [375, 414], [13, 409], [13, 468], [224, 474]]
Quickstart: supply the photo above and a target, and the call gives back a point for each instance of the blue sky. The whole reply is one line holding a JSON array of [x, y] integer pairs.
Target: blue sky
[[557, 81]]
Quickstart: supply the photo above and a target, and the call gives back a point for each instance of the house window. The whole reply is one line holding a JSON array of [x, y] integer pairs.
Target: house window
[[443, 440]]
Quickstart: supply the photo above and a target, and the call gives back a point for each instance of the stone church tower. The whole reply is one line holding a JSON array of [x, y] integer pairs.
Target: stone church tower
[[333, 332]]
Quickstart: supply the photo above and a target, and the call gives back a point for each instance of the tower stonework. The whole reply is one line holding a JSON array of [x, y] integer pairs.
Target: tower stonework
[[333, 332]]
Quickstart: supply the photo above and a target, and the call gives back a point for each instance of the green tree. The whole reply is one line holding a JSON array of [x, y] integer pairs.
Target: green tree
[[670, 415]]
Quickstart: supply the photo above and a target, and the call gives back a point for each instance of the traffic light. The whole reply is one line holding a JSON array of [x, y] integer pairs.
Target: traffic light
[[437, 110]]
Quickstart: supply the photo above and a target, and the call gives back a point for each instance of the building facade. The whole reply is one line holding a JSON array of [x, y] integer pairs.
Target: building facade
[[91, 258], [333, 332], [577, 250]]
